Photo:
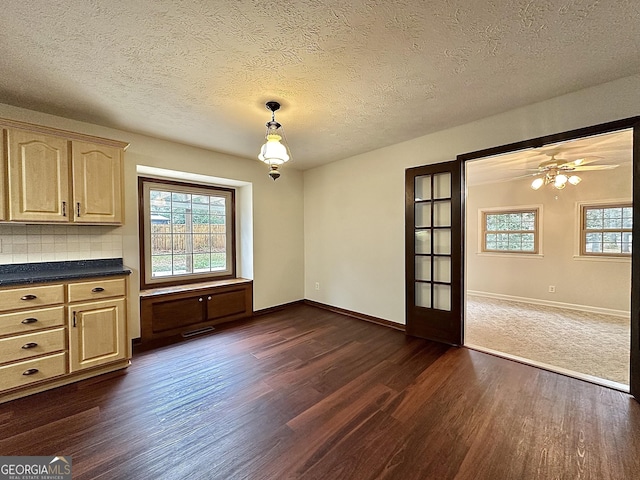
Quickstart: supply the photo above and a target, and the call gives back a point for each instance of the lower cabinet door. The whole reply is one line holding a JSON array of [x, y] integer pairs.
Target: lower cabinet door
[[97, 333]]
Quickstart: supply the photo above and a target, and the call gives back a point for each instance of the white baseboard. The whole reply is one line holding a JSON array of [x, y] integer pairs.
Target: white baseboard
[[549, 303]]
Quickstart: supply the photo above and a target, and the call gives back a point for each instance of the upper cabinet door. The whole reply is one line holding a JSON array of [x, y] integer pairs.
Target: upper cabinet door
[[38, 177], [3, 174], [97, 183]]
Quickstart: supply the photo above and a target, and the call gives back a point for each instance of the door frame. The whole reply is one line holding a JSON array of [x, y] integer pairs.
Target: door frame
[[634, 123]]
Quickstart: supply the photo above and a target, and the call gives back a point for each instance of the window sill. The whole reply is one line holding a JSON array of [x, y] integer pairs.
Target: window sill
[[538, 256], [588, 258]]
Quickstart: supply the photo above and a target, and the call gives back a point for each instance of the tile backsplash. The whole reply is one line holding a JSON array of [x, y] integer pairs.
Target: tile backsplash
[[48, 243]]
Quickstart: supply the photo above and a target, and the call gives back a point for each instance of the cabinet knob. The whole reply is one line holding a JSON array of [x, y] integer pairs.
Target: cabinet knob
[[200, 299], [28, 297], [97, 289], [29, 320], [29, 345], [31, 371], [209, 297]]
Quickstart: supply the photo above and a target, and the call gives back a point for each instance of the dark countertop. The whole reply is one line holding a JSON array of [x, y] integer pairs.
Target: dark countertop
[[28, 273]]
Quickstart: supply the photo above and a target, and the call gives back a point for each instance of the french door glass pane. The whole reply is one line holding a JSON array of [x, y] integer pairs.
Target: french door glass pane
[[423, 294], [423, 214], [442, 269], [442, 241], [442, 214], [442, 185], [423, 268], [423, 188], [423, 241], [442, 297]]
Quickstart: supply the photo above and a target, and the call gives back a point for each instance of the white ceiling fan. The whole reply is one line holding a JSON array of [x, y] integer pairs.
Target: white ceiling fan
[[559, 172]]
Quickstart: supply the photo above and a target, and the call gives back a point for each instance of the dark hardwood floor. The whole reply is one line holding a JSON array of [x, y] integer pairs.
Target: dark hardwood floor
[[310, 394]]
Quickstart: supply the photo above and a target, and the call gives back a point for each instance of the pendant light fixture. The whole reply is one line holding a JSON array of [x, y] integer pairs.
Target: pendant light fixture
[[274, 151]]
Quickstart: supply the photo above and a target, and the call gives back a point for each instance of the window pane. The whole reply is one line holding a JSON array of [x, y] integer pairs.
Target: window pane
[[201, 262], [201, 243], [179, 243], [607, 228], [516, 222], [187, 230], [180, 264], [491, 241], [161, 265], [218, 261], [160, 244]]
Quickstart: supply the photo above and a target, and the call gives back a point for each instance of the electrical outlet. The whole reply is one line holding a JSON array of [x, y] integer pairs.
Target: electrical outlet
[[552, 289], [317, 285]]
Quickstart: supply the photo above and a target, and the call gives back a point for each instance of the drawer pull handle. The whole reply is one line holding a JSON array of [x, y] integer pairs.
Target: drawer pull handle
[[31, 371], [74, 320], [29, 345], [97, 289], [28, 297], [29, 320]]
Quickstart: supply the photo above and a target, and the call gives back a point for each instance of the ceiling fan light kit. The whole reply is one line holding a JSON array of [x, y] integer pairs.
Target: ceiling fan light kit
[[559, 172], [274, 152]]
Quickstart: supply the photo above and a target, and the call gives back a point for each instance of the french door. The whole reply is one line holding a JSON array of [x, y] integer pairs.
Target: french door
[[434, 251]]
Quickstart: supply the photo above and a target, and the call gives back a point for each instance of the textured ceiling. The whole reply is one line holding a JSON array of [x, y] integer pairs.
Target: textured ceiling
[[352, 76]]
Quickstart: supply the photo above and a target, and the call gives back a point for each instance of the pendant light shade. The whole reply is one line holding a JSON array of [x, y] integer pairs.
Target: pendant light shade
[[274, 151]]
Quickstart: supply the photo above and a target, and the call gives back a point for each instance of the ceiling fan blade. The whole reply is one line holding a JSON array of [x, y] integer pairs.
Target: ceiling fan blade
[[578, 162], [595, 167], [528, 175]]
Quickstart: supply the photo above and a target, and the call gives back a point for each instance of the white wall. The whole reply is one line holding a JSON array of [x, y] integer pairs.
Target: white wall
[[604, 283], [354, 208], [276, 256]]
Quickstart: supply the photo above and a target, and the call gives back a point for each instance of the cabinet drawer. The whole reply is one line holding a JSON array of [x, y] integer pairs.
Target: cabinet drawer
[[31, 320], [30, 371], [30, 297], [96, 289], [22, 347]]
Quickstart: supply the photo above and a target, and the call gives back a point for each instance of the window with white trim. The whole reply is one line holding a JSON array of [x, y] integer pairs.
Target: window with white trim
[[510, 231], [606, 230], [187, 232]]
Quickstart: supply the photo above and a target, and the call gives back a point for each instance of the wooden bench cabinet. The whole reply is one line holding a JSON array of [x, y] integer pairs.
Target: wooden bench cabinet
[[190, 309]]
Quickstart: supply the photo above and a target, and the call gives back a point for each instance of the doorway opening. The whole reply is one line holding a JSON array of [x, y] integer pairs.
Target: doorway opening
[[548, 235]]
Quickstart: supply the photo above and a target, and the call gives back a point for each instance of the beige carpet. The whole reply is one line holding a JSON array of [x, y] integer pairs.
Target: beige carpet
[[586, 343]]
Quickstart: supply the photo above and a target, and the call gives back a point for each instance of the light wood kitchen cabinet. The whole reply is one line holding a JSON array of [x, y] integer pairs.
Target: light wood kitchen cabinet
[[57, 333], [54, 176], [3, 175], [97, 334], [38, 177], [97, 325], [97, 183]]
